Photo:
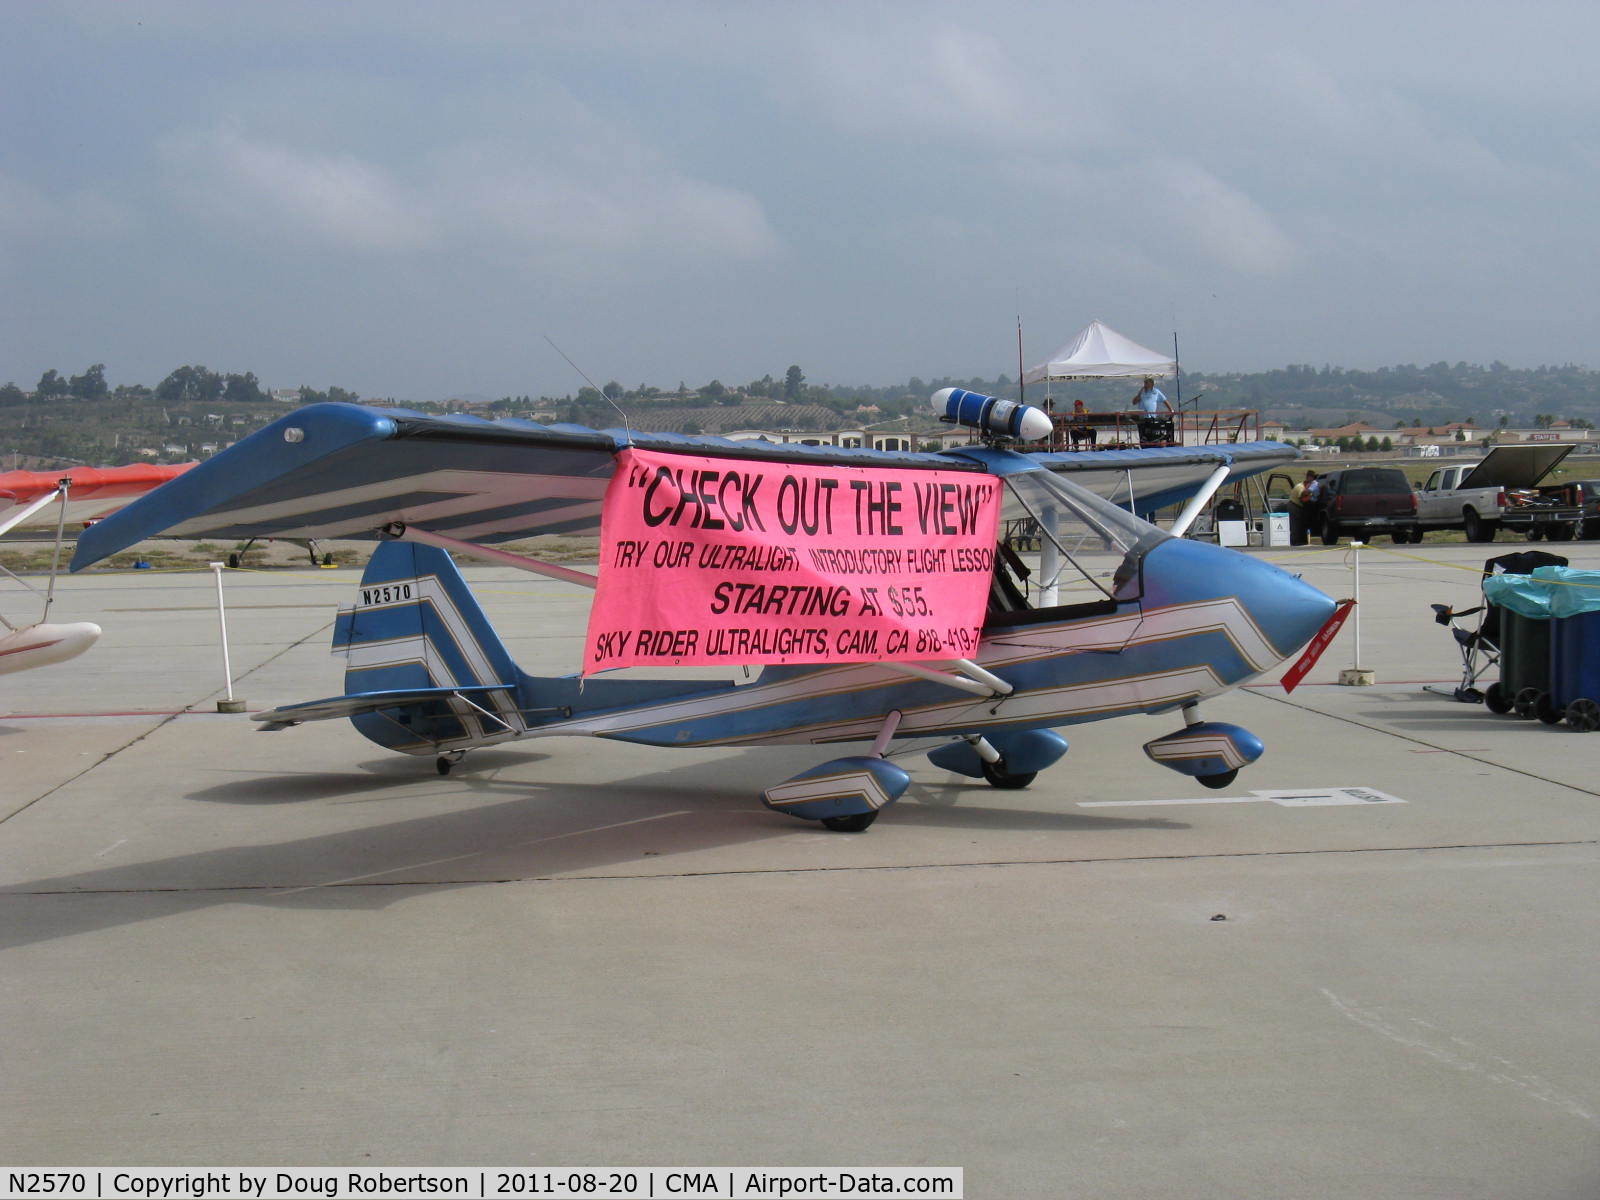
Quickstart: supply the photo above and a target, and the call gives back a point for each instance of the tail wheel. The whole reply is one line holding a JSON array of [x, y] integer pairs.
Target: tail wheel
[[999, 777], [1583, 715]]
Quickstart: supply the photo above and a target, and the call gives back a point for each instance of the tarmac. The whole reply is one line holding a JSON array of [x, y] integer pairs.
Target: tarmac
[[222, 946]]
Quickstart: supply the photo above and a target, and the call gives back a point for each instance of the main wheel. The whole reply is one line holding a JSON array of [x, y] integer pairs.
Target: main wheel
[[1218, 781], [1329, 532], [1583, 715], [1496, 700], [854, 823], [999, 777]]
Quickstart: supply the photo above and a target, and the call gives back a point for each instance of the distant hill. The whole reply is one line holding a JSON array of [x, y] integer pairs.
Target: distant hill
[[194, 412]]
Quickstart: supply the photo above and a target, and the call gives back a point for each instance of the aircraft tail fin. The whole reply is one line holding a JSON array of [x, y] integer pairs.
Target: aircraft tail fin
[[414, 627]]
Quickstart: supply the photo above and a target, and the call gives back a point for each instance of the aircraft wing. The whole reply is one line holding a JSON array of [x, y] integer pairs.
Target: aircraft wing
[[1164, 475], [96, 492], [347, 470]]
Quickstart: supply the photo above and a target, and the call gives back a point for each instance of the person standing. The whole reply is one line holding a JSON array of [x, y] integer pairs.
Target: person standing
[[1300, 497], [1149, 399]]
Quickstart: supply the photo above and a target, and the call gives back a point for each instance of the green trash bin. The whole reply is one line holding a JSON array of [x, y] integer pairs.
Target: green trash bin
[[1524, 662], [1523, 602]]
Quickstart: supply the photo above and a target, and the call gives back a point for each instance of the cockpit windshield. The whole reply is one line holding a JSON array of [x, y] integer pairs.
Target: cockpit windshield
[[1066, 545]]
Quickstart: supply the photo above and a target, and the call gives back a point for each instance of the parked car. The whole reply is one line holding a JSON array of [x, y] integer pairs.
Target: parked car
[[1585, 494], [1364, 502], [1502, 490], [1590, 489]]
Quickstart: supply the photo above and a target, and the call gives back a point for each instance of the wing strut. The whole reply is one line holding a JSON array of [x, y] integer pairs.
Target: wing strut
[[1192, 509], [22, 514], [397, 531]]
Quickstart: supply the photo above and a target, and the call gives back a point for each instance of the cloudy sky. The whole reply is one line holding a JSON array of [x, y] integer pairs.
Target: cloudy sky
[[407, 199]]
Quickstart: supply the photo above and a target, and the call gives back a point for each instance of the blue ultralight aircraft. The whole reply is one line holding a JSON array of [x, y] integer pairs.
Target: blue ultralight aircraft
[[1121, 617]]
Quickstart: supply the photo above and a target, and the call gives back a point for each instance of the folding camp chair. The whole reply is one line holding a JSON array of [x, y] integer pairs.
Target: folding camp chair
[[1480, 646]]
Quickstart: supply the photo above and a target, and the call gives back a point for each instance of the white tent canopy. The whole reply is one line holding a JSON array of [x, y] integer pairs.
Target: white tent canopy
[[1100, 352]]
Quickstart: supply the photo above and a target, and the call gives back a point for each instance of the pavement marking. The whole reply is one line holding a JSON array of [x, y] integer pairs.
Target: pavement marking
[[1289, 701], [1284, 797], [373, 876], [111, 847], [1422, 1036], [280, 889]]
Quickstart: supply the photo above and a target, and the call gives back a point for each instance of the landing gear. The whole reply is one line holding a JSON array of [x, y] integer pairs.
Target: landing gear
[[445, 761], [855, 823], [1218, 781], [998, 776]]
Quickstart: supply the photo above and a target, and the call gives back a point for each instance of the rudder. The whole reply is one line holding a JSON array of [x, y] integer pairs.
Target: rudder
[[415, 624]]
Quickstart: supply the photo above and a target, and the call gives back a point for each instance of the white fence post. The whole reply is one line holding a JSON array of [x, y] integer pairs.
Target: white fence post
[[1356, 675], [228, 705]]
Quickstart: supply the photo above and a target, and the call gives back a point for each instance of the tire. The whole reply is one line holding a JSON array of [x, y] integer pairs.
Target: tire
[[1218, 781], [1329, 532], [1558, 533], [854, 823], [999, 777], [1546, 711], [1495, 699], [1526, 702], [1583, 715], [1535, 533], [1477, 529], [1591, 528]]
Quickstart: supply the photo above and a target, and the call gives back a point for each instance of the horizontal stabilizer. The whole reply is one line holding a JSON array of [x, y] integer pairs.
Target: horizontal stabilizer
[[362, 702]]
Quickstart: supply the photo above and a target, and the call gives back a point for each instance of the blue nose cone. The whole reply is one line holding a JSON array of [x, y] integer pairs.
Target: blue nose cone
[[1284, 608]]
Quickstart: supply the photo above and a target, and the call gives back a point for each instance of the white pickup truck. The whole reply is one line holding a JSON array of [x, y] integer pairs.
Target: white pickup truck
[[1500, 490]]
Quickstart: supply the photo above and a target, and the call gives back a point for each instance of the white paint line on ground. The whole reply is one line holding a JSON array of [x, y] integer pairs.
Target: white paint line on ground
[[1285, 798], [1424, 1037]]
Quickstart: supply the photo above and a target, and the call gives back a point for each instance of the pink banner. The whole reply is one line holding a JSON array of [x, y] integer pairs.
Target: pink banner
[[720, 560]]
